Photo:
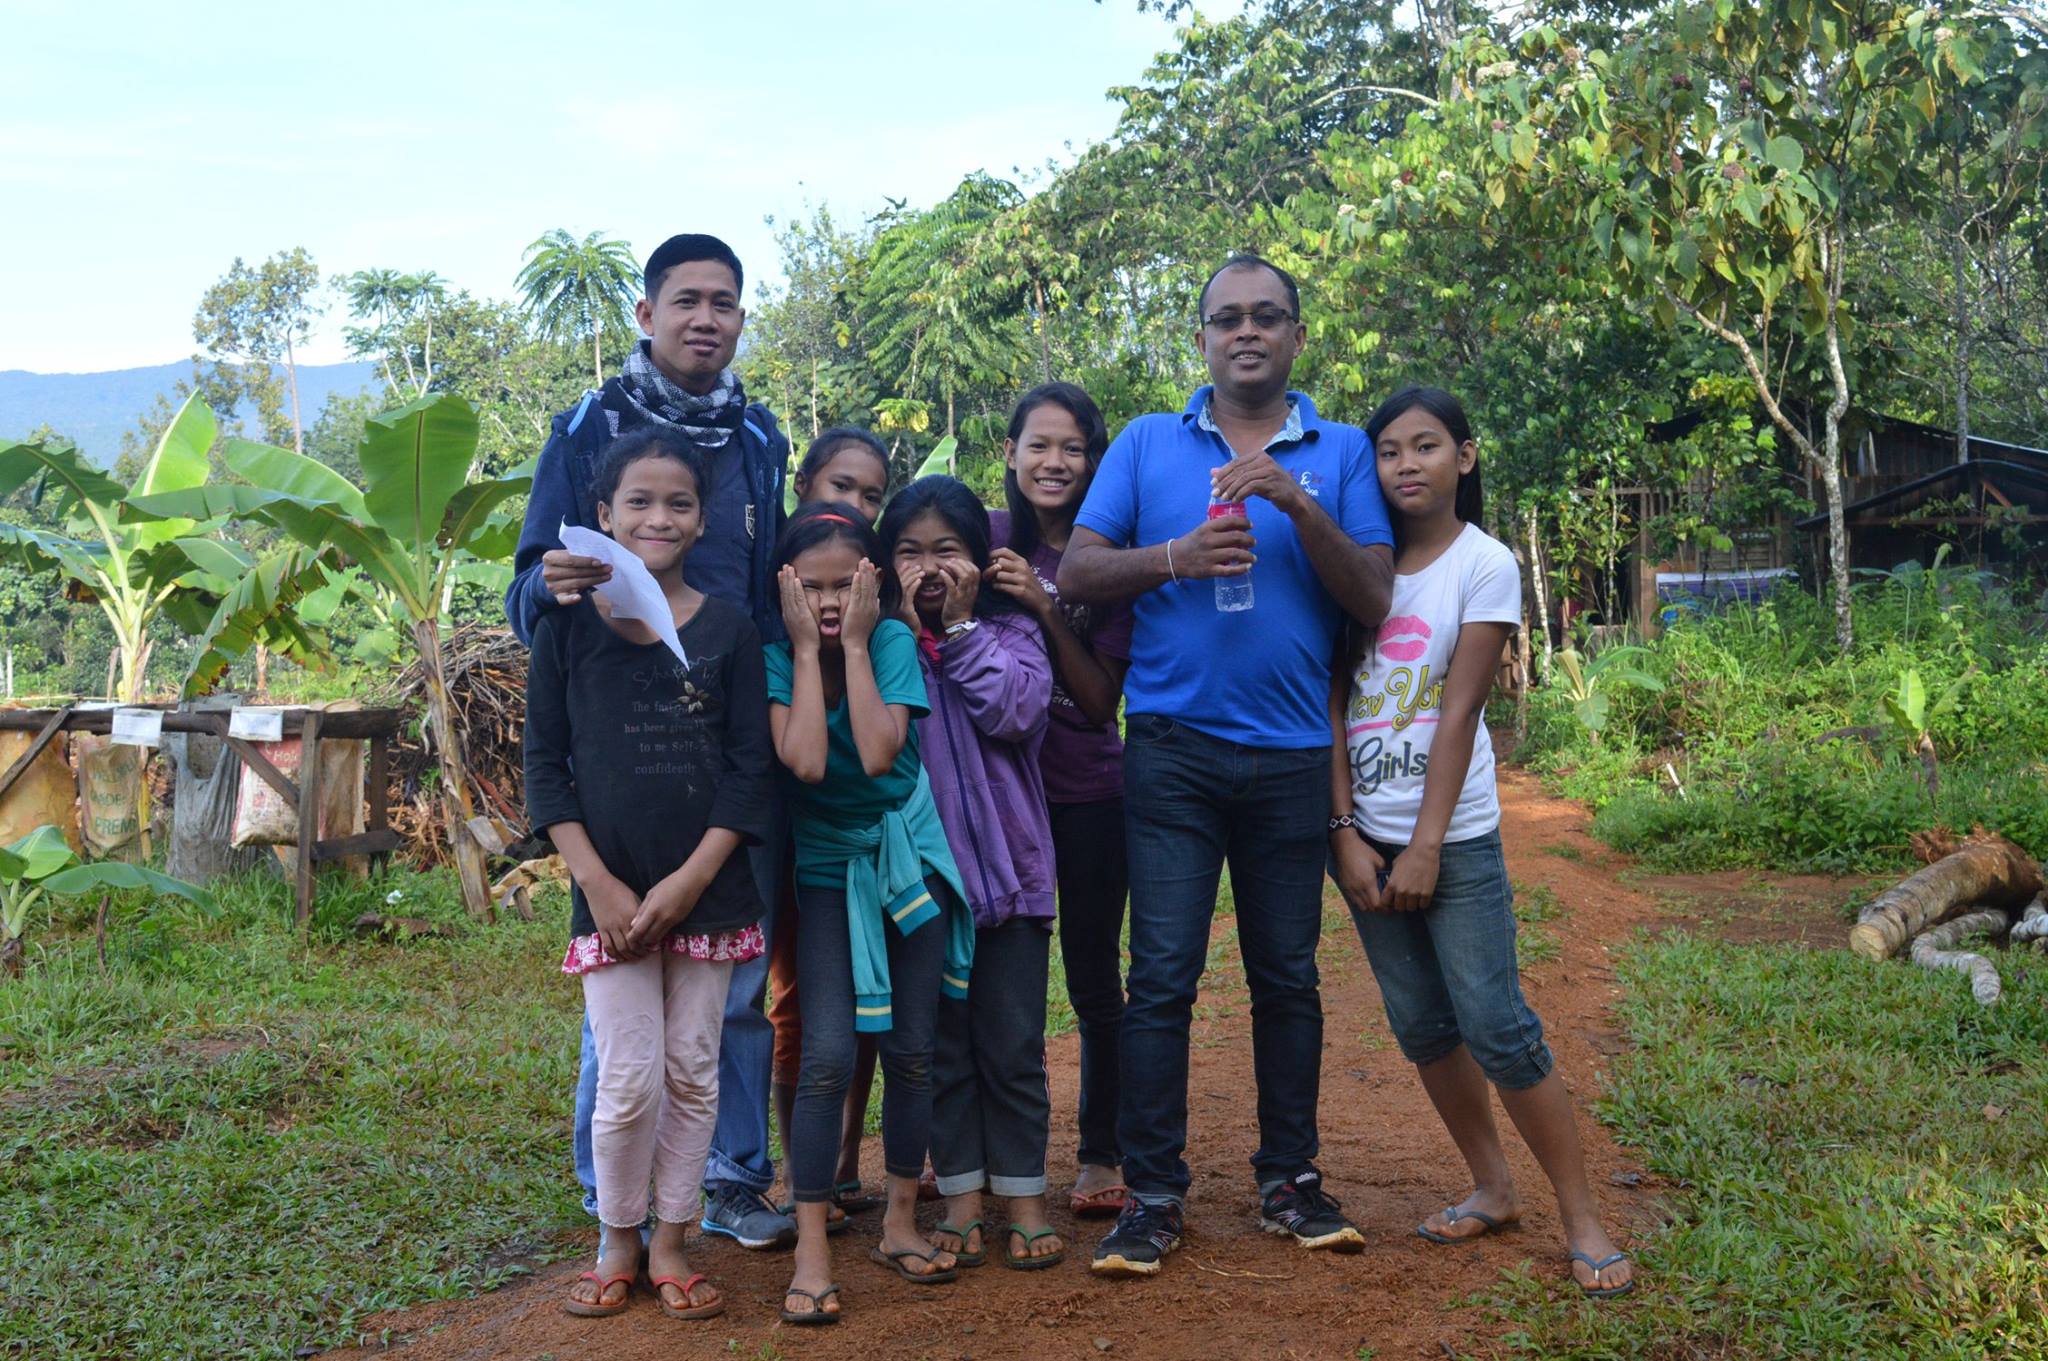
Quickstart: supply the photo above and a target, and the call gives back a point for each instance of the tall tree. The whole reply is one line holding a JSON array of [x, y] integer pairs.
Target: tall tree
[[261, 314], [1724, 164], [398, 314], [805, 339], [580, 289]]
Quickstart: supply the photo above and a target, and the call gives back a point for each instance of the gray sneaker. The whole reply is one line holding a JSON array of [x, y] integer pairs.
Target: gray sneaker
[[745, 1216]]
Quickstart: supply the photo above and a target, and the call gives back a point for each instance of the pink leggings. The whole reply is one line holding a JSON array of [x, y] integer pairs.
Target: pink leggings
[[656, 1023]]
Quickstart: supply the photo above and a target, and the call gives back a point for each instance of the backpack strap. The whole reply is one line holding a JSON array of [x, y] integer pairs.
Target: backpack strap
[[582, 409]]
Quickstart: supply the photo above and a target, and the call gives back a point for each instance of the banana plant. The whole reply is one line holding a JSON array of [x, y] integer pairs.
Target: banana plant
[[1911, 716], [410, 529], [129, 570], [174, 566], [41, 864], [1588, 685]]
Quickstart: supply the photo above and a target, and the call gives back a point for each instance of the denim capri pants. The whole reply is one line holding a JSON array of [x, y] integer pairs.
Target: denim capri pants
[[1447, 973]]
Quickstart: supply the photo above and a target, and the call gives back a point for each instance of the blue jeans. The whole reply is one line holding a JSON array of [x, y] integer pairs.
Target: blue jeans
[[746, 1051], [1191, 803], [1448, 975]]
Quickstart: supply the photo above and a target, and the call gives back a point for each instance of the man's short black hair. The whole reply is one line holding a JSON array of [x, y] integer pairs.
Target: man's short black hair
[[1246, 260], [681, 250]]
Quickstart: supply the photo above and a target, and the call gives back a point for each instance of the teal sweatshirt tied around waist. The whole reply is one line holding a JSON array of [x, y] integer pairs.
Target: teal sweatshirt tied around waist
[[886, 864]]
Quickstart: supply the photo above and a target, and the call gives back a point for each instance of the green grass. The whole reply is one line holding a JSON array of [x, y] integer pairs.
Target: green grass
[[235, 1143], [1860, 1160], [1534, 904]]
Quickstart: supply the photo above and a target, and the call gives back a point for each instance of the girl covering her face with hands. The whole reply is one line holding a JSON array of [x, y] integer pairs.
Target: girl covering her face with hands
[[990, 682], [648, 775], [851, 467], [883, 922]]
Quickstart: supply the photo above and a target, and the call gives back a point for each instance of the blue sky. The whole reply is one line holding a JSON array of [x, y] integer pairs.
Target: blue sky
[[143, 147]]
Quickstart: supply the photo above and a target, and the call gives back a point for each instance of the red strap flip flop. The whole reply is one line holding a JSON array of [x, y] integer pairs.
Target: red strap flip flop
[[686, 1310], [597, 1308]]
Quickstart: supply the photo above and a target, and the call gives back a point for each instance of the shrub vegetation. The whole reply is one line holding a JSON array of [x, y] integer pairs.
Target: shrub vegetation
[[1784, 745]]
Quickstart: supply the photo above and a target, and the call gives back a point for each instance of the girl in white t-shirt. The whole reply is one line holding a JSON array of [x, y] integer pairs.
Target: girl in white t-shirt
[[1415, 836]]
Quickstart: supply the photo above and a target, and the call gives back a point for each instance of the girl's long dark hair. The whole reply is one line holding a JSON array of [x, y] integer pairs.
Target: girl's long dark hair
[[1024, 537], [951, 501], [1470, 499]]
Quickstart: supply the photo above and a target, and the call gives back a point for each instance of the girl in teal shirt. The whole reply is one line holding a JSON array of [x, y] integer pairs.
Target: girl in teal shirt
[[883, 924]]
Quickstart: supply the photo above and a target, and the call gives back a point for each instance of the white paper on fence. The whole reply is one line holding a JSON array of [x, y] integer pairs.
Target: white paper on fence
[[256, 723], [139, 727], [632, 592]]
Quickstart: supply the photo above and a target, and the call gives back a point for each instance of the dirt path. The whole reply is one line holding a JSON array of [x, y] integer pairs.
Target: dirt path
[[1232, 1291]]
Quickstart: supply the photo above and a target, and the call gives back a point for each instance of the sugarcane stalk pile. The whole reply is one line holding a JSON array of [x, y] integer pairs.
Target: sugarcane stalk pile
[[1981, 886], [485, 670]]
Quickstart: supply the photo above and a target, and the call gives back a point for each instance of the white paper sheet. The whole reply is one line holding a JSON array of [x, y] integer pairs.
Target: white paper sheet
[[139, 727], [256, 723], [632, 592]]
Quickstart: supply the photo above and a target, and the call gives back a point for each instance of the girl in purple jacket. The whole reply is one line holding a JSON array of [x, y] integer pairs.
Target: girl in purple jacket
[[990, 686]]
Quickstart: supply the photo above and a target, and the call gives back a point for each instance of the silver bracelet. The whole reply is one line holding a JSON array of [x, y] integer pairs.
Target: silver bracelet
[[1169, 562]]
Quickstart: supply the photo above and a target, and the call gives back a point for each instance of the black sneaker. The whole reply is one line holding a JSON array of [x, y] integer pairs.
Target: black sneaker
[[1143, 1236], [1302, 1208]]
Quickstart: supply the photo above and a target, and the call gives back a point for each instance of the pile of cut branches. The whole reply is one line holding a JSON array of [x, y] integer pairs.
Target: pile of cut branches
[[486, 674], [1981, 886]]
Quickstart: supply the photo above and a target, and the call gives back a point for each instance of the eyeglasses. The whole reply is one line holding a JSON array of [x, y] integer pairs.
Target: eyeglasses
[[1265, 318]]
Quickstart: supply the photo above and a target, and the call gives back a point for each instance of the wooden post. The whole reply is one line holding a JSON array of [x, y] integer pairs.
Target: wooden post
[[380, 779], [309, 811]]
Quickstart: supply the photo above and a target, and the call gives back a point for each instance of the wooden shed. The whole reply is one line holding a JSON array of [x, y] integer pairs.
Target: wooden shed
[[1907, 493]]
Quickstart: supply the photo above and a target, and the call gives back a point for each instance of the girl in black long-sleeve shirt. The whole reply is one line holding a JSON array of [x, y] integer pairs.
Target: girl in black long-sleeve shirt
[[648, 775]]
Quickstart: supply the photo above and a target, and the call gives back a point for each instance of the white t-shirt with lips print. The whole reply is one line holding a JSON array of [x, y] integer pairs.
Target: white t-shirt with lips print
[[1397, 695]]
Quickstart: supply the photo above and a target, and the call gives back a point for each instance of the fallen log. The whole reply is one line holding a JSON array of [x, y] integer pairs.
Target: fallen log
[[1986, 870], [1934, 949], [2032, 927]]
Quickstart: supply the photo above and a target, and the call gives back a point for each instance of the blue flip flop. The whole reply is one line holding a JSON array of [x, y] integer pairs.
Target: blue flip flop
[[1601, 1292], [1452, 1214]]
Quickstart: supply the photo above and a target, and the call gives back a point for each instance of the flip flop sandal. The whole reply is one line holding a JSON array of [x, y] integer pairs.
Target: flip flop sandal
[[1452, 1214], [832, 1225], [597, 1308], [1103, 1203], [961, 1256], [686, 1310], [1601, 1292], [1027, 1262], [848, 1196], [894, 1261], [817, 1316]]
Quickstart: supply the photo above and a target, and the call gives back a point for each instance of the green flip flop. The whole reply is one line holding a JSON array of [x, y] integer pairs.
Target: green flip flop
[[961, 1256], [1030, 1236], [850, 1198]]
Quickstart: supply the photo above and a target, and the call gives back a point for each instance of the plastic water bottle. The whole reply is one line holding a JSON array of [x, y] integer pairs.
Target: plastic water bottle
[[1232, 593]]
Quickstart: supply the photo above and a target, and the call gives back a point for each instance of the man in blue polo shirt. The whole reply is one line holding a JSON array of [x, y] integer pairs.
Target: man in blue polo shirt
[[1227, 752]]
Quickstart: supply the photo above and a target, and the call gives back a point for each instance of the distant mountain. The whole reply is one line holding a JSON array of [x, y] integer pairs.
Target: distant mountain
[[95, 408]]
